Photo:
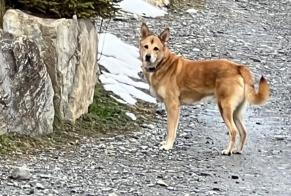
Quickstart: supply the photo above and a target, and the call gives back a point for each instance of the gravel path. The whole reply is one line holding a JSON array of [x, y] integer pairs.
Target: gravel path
[[257, 33]]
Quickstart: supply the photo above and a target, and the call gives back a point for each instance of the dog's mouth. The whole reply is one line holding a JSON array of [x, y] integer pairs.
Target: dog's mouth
[[150, 69]]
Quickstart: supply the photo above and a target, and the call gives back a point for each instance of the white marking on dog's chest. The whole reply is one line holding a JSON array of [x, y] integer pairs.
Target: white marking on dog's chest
[[152, 90], [157, 93], [162, 91]]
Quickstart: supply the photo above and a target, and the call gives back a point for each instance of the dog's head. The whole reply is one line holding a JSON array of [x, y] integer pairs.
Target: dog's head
[[152, 48]]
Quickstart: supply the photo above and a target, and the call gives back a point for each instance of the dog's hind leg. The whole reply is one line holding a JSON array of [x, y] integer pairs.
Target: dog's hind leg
[[173, 111], [238, 120], [226, 110]]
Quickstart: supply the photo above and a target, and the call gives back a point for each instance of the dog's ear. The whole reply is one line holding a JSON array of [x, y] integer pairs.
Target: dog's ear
[[165, 35], [144, 30]]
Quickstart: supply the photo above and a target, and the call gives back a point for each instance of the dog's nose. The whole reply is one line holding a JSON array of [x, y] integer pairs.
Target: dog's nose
[[148, 57]]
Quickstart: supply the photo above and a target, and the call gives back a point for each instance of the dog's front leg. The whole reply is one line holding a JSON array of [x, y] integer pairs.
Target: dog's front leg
[[173, 111]]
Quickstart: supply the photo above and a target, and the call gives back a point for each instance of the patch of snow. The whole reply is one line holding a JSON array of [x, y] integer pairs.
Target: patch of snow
[[116, 66], [123, 79], [121, 92], [192, 11], [128, 93], [142, 8], [122, 65], [131, 115], [118, 100]]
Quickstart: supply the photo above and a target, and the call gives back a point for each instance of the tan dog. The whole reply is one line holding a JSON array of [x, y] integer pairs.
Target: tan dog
[[177, 81]]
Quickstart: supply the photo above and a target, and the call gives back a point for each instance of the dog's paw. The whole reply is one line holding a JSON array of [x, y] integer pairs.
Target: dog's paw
[[230, 152], [236, 151], [226, 152], [166, 146]]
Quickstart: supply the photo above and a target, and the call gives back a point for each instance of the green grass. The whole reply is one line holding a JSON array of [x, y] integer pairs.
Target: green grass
[[105, 116]]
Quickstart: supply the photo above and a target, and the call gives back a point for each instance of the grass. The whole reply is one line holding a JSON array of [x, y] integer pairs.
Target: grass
[[2, 11], [105, 116]]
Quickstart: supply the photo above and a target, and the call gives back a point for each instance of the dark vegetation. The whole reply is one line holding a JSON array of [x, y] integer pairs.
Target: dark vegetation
[[61, 8]]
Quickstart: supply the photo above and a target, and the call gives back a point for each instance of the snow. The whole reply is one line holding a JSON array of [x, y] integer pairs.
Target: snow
[[122, 65], [192, 11], [131, 115], [121, 60], [141, 8]]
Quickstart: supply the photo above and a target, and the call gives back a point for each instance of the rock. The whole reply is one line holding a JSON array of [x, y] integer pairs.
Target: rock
[[39, 186], [112, 194], [26, 92], [20, 173], [131, 116], [160, 109], [159, 3], [216, 189], [68, 48], [235, 177], [204, 174], [162, 183], [196, 50], [45, 176], [31, 191], [149, 126], [280, 137]]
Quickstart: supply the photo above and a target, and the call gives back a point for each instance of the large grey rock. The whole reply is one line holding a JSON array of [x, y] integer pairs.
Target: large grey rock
[[26, 92], [68, 47]]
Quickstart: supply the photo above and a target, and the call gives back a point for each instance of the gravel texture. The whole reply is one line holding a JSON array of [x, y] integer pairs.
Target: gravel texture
[[256, 33]]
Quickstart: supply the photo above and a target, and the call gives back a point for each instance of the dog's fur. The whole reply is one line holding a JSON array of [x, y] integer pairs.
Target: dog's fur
[[177, 81]]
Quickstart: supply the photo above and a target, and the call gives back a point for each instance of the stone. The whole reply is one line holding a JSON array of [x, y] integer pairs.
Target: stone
[[20, 173], [112, 194], [68, 48], [280, 137], [235, 177], [159, 3], [39, 186], [162, 183], [26, 92], [131, 116]]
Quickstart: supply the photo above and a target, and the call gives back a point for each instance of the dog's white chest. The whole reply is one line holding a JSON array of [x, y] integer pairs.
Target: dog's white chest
[[152, 90]]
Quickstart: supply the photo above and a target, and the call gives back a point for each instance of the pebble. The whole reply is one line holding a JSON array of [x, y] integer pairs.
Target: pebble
[[162, 183], [21, 173], [112, 194], [39, 186], [280, 137], [235, 177]]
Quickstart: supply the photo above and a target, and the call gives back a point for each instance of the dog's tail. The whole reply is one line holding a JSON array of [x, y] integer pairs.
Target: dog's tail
[[252, 96]]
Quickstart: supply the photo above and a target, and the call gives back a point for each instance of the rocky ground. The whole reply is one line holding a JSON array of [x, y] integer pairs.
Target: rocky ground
[[257, 33]]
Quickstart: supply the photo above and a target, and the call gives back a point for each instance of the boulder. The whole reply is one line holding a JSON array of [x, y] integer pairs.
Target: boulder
[[68, 48], [26, 92]]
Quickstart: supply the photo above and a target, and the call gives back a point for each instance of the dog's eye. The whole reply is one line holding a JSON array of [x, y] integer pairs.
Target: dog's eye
[[156, 49], [146, 46]]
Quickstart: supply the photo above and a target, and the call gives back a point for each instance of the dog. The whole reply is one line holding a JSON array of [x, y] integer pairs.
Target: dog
[[177, 81]]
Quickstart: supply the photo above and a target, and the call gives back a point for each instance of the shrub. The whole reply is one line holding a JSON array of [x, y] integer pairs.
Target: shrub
[[65, 8], [2, 11]]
